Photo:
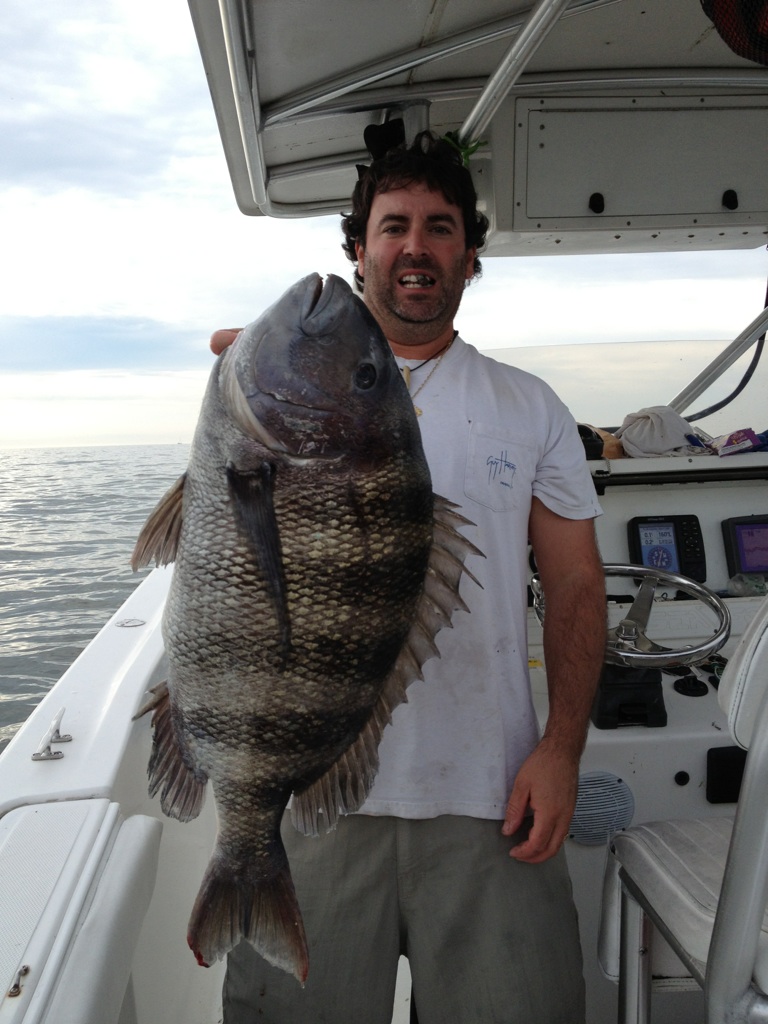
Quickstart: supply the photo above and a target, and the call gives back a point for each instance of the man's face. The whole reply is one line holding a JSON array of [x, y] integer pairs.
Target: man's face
[[415, 264]]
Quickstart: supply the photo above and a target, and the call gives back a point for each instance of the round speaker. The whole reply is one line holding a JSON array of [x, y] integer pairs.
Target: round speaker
[[604, 805]]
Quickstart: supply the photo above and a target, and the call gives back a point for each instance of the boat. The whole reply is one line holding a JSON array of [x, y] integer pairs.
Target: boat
[[606, 126]]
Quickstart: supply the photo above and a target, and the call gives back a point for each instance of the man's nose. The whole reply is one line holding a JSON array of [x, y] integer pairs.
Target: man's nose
[[415, 241]]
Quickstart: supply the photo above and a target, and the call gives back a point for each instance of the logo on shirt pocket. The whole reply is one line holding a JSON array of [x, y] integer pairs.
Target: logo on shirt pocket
[[499, 471]]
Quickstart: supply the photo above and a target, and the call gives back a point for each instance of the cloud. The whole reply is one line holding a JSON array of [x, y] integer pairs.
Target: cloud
[[660, 266], [586, 299], [49, 343], [601, 384], [122, 248], [75, 407], [190, 260], [52, 154], [96, 95]]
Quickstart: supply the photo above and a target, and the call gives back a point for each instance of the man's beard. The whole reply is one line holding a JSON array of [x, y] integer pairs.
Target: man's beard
[[440, 303]]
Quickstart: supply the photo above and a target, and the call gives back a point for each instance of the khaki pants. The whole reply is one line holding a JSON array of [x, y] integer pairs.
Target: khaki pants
[[489, 940]]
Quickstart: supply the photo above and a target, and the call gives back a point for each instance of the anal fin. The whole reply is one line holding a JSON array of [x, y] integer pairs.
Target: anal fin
[[182, 788]]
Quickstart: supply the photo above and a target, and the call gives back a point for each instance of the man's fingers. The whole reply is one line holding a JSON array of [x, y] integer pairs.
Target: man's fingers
[[223, 338], [517, 806], [538, 846]]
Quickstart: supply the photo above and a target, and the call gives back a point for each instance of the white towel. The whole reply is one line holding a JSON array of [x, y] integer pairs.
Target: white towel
[[657, 431]]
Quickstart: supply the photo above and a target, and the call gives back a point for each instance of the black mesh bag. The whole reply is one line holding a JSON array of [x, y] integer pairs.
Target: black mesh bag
[[742, 24]]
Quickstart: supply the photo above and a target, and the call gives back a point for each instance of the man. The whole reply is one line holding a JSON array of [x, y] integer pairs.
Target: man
[[455, 859]]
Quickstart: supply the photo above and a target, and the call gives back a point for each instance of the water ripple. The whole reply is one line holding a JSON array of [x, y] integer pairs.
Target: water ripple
[[69, 518]]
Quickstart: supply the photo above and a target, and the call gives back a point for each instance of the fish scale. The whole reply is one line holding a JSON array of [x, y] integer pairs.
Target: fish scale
[[314, 567]]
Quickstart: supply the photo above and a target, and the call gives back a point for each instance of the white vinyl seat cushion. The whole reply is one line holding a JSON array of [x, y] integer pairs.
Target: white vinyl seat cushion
[[678, 866], [743, 686]]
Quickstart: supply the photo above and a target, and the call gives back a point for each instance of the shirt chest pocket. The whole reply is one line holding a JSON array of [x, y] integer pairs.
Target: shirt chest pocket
[[500, 471]]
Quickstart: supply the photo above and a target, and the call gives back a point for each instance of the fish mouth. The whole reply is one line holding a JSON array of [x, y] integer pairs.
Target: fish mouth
[[319, 296], [313, 295]]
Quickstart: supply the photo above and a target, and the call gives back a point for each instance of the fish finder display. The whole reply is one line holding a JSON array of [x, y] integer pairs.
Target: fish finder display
[[671, 543], [658, 547], [746, 544]]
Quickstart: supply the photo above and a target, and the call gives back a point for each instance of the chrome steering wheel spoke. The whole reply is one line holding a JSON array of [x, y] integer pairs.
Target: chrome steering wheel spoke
[[642, 606]]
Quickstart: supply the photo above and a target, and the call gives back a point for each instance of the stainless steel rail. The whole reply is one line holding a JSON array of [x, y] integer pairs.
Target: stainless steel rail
[[718, 366], [362, 77], [539, 24]]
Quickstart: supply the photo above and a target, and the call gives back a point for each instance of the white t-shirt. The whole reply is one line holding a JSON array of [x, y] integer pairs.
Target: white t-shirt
[[493, 436]]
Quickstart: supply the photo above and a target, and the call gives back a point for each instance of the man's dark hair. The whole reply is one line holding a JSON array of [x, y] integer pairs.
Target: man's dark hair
[[431, 162]]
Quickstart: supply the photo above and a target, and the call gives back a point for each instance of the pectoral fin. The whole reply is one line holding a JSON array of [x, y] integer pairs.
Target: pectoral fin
[[252, 494], [159, 538]]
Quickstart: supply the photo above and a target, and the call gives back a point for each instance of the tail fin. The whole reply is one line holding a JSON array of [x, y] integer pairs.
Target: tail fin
[[230, 907]]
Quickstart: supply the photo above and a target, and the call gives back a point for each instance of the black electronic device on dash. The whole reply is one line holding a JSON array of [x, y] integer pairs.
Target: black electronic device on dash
[[668, 543], [746, 544]]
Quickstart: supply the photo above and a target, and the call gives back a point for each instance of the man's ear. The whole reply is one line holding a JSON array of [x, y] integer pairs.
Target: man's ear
[[469, 270], [360, 255]]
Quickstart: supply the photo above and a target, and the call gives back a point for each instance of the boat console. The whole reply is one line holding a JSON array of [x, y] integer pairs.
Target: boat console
[[658, 745]]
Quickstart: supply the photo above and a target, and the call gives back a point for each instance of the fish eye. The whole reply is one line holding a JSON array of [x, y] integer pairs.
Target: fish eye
[[365, 376]]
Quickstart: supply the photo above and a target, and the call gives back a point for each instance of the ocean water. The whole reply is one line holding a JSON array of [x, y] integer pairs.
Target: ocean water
[[69, 518]]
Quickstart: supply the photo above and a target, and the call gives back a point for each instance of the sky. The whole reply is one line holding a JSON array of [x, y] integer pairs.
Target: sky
[[123, 249]]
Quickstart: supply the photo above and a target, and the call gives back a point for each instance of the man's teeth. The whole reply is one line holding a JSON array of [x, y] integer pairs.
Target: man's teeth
[[416, 281]]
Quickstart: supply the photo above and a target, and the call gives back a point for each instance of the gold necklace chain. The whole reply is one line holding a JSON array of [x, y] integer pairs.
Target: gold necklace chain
[[407, 377]]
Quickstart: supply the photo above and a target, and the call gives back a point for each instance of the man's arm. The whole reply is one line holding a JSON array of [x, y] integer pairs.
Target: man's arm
[[574, 640]]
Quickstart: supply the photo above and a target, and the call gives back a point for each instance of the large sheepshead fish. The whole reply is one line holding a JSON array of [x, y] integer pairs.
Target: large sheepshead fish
[[314, 567]]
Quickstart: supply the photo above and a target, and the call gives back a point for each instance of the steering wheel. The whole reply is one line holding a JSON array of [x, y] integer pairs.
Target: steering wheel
[[627, 643]]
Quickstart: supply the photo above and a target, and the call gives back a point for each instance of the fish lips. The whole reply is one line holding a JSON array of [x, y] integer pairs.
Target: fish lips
[[315, 370]]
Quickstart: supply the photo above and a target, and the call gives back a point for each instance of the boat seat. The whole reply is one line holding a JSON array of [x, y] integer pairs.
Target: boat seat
[[75, 884], [702, 883]]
